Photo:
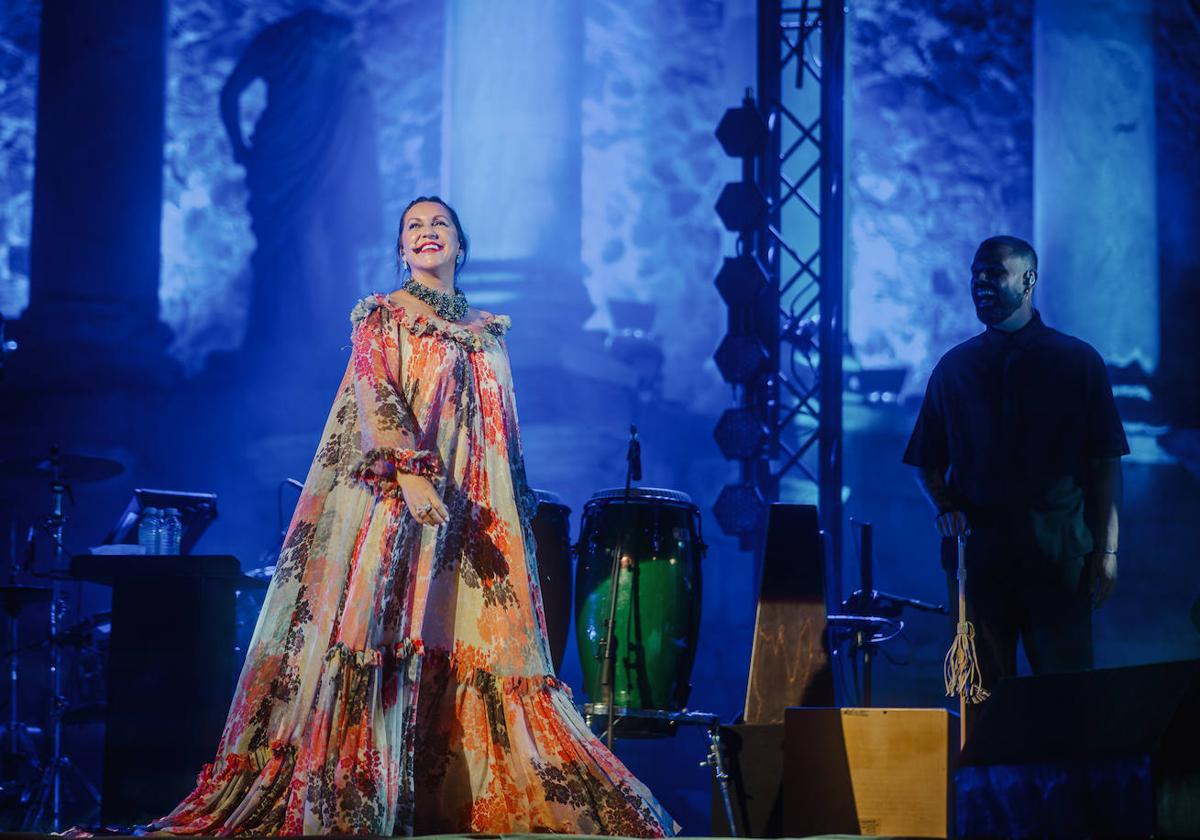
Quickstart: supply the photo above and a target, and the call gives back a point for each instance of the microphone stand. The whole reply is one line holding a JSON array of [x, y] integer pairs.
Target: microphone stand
[[867, 575], [633, 472], [867, 609], [7, 346]]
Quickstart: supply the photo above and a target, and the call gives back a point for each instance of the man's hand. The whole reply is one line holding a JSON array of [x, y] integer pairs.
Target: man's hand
[[950, 522], [1101, 571], [953, 523]]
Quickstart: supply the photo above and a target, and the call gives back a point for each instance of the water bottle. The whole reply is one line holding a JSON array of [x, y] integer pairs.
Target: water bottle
[[172, 531], [150, 531]]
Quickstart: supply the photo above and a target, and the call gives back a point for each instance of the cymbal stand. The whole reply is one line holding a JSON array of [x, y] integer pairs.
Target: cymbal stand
[[20, 744], [51, 787]]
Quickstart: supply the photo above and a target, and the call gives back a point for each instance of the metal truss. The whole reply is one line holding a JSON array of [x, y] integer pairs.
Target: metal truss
[[783, 351], [801, 80]]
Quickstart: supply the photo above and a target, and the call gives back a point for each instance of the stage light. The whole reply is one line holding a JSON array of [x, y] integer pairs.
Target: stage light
[[740, 280], [741, 206], [740, 358], [742, 131], [739, 509], [876, 385], [740, 434]]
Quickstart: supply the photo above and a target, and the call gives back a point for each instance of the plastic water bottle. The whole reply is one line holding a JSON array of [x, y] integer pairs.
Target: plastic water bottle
[[150, 531], [172, 531]]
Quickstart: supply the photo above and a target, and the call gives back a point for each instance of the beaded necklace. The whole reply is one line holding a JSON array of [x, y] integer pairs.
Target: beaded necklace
[[452, 307]]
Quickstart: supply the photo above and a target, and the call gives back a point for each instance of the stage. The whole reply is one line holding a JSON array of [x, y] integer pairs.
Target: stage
[[697, 272]]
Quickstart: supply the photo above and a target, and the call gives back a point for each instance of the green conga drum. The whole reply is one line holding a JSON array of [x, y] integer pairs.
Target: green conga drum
[[658, 598]]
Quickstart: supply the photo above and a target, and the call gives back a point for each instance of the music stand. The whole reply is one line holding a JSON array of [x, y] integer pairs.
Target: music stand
[[196, 512]]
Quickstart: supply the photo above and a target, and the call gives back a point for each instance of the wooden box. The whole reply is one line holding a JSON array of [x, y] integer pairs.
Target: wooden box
[[869, 771]]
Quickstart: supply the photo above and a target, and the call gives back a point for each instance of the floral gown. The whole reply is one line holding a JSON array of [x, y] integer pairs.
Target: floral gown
[[399, 678]]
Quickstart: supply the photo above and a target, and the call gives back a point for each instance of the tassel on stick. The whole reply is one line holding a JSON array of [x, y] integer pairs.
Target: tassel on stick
[[961, 668]]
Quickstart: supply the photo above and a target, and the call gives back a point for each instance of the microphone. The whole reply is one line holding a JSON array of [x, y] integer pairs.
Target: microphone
[[635, 454]]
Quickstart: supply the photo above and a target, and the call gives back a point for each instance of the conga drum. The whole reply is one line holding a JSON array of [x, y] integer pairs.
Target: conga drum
[[552, 537], [658, 599]]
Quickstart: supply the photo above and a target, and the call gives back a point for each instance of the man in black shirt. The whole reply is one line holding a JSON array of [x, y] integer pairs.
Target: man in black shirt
[[1018, 446]]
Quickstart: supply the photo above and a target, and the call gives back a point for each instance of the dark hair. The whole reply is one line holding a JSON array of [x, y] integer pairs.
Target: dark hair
[[463, 242], [1018, 246]]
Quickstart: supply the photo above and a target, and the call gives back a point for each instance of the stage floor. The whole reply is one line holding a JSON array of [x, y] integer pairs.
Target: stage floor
[[33, 836]]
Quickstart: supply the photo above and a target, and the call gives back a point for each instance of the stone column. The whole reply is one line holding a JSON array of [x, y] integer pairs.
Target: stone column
[[512, 160], [97, 201], [1177, 74], [1094, 174]]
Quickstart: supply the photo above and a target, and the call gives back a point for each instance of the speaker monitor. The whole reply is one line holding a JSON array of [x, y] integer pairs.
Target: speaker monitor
[[1105, 753]]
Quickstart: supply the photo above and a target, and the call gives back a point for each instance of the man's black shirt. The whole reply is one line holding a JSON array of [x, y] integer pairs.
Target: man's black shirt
[[1016, 418]]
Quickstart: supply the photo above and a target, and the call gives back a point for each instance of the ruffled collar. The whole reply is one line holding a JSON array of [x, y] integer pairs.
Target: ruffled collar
[[477, 338]]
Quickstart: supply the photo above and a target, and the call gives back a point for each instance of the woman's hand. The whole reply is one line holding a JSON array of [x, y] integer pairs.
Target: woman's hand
[[422, 499]]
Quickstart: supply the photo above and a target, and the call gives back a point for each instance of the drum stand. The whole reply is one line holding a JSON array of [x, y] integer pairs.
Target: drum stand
[[712, 723]]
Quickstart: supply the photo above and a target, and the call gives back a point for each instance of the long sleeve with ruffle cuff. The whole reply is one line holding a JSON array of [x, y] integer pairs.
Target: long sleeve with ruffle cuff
[[390, 439], [424, 462]]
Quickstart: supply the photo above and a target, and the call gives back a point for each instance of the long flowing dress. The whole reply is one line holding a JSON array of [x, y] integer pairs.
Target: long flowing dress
[[399, 679]]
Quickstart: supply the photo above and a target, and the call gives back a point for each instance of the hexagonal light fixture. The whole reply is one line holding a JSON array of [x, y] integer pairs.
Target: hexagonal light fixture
[[741, 206], [742, 131], [740, 280], [740, 435], [739, 509], [740, 358]]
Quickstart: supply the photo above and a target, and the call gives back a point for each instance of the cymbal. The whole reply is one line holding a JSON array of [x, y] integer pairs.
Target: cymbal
[[15, 597], [72, 468]]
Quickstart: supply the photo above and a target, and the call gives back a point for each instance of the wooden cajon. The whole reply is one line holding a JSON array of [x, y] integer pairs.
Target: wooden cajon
[[869, 771]]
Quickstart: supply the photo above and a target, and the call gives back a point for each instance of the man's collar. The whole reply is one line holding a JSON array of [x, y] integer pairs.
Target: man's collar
[[1022, 338]]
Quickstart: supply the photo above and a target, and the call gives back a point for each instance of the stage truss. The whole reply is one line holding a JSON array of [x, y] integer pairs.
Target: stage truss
[[783, 353]]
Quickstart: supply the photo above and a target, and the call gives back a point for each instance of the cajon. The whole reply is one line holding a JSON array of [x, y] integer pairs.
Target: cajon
[[869, 771]]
